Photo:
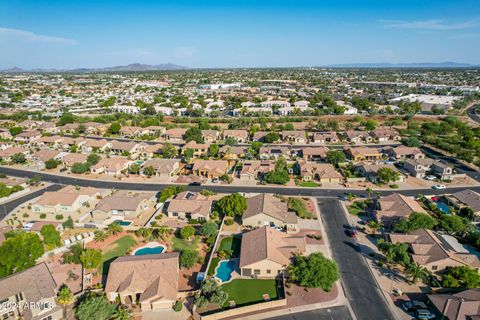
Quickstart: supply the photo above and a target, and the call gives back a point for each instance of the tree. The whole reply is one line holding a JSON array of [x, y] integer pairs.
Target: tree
[[134, 169], [213, 150], [114, 228], [80, 168], [73, 255], [51, 163], [188, 258], [314, 271], [19, 252], [15, 130], [95, 306], [189, 153], [122, 312], [386, 175], [370, 125], [394, 253], [187, 232], [454, 225], [170, 191], [277, 177], [51, 237], [114, 128], [100, 236], [149, 171], [210, 292], [91, 258], [415, 271], [411, 142], [193, 134], [18, 158], [271, 137], [461, 277], [230, 141], [209, 229], [231, 205], [169, 151], [68, 224], [66, 117], [335, 157], [416, 221], [93, 158], [65, 297], [374, 226]]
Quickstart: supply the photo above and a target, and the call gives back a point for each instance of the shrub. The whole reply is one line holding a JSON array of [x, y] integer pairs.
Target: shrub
[[178, 306], [59, 217], [229, 222], [43, 215]]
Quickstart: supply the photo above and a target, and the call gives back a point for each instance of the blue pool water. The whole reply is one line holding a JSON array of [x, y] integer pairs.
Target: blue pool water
[[146, 250], [443, 207], [225, 269], [123, 222]]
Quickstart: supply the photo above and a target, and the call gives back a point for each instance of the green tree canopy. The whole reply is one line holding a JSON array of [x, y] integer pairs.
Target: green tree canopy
[[314, 271], [210, 292], [91, 258], [19, 252], [170, 191], [169, 151], [115, 128], [193, 134], [335, 157], [461, 277], [51, 237], [209, 229], [387, 174], [187, 232], [188, 258], [416, 221], [95, 306], [231, 205]]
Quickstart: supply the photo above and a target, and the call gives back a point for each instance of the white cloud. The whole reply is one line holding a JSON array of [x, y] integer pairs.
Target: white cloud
[[29, 36], [432, 24]]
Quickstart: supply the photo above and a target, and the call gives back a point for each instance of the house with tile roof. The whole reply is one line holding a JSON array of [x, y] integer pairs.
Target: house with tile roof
[[465, 198], [210, 168], [266, 252], [122, 205], [189, 205], [267, 210], [322, 172], [463, 305], [148, 280], [65, 200], [394, 207]]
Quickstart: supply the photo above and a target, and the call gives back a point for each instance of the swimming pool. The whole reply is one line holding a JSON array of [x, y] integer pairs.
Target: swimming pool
[[124, 223], [443, 207], [225, 269], [150, 248]]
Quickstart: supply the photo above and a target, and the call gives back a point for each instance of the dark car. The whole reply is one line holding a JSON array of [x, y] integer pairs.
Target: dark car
[[351, 233], [195, 183], [414, 305], [349, 226]]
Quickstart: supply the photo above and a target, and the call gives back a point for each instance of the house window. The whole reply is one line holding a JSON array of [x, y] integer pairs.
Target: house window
[[256, 271], [269, 271], [434, 268]]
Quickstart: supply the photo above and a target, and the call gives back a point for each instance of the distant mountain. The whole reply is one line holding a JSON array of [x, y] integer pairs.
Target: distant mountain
[[129, 67], [447, 64]]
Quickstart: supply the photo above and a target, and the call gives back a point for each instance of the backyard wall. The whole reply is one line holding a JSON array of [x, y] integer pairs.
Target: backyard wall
[[242, 310]]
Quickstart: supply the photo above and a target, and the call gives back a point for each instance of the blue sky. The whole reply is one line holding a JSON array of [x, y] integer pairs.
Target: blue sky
[[70, 34]]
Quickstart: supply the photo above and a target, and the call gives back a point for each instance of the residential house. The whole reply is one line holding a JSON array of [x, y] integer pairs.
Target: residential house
[[68, 143], [129, 131], [163, 167], [434, 251], [126, 109], [69, 159], [28, 136], [370, 171], [354, 136], [240, 136], [175, 134], [385, 134], [417, 168], [358, 154], [463, 305], [5, 134], [266, 252], [6, 154], [314, 153], [129, 147], [210, 135], [325, 137], [189, 205], [255, 169], [51, 141], [210, 168], [94, 145], [111, 166], [199, 149], [443, 171], [274, 152], [260, 136], [44, 155], [465, 198], [295, 136], [148, 280], [21, 291], [322, 172], [267, 210], [122, 205], [232, 152], [403, 152], [275, 103], [391, 208], [65, 200]]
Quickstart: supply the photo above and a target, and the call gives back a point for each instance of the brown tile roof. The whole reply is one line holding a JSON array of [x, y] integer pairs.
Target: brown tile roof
[[470, 198], [216, 166], [154, 276], [123, 200], [270, 205], [11, 151], [397, 205], [162, 165], [461, 305], [72, 158], [323, 170], [65, 196], [266, 243], [45, 154]]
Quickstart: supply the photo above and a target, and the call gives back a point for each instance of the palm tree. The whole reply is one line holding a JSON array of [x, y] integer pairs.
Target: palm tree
[[160, 232], [369, 191], [415, 271], [65, 297], [374, 226], [122, 313], [114, 228], [100, 236]]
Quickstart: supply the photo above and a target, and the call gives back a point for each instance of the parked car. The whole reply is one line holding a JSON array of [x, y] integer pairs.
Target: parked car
[[215, 180], [439, 187], [195, 183], [351, 233], [430, 177], [424, 314], [349, 226], [414, 305]]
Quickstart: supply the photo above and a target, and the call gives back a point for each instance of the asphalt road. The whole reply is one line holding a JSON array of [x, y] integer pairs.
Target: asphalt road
[[312, 192], [9, 206], [472, 113], [360, 287], [334, 313]]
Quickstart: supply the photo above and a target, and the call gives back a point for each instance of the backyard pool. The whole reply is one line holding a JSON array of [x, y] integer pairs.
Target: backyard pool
[[124, 223], [150, 248], [225, 269]]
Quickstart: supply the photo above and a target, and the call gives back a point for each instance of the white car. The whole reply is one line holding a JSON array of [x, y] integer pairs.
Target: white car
[[430, 177], [439, 187]]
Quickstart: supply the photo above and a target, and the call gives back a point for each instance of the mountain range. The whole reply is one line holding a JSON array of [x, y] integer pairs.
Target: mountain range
[[447, 64], [129, 67]]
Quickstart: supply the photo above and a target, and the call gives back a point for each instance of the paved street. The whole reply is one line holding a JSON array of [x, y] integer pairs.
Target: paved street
[[334, 313], [9, 206], [360, 287]]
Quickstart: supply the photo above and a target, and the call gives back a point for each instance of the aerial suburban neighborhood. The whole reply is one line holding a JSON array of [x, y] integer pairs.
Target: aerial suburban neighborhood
[[322, 191]]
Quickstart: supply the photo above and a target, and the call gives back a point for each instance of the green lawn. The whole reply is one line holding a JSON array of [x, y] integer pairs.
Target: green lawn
[[231, 243], [181, 244], [213, 265], [300, 208], [356, 208], [247, 291], [308, 184], [119, 249]]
